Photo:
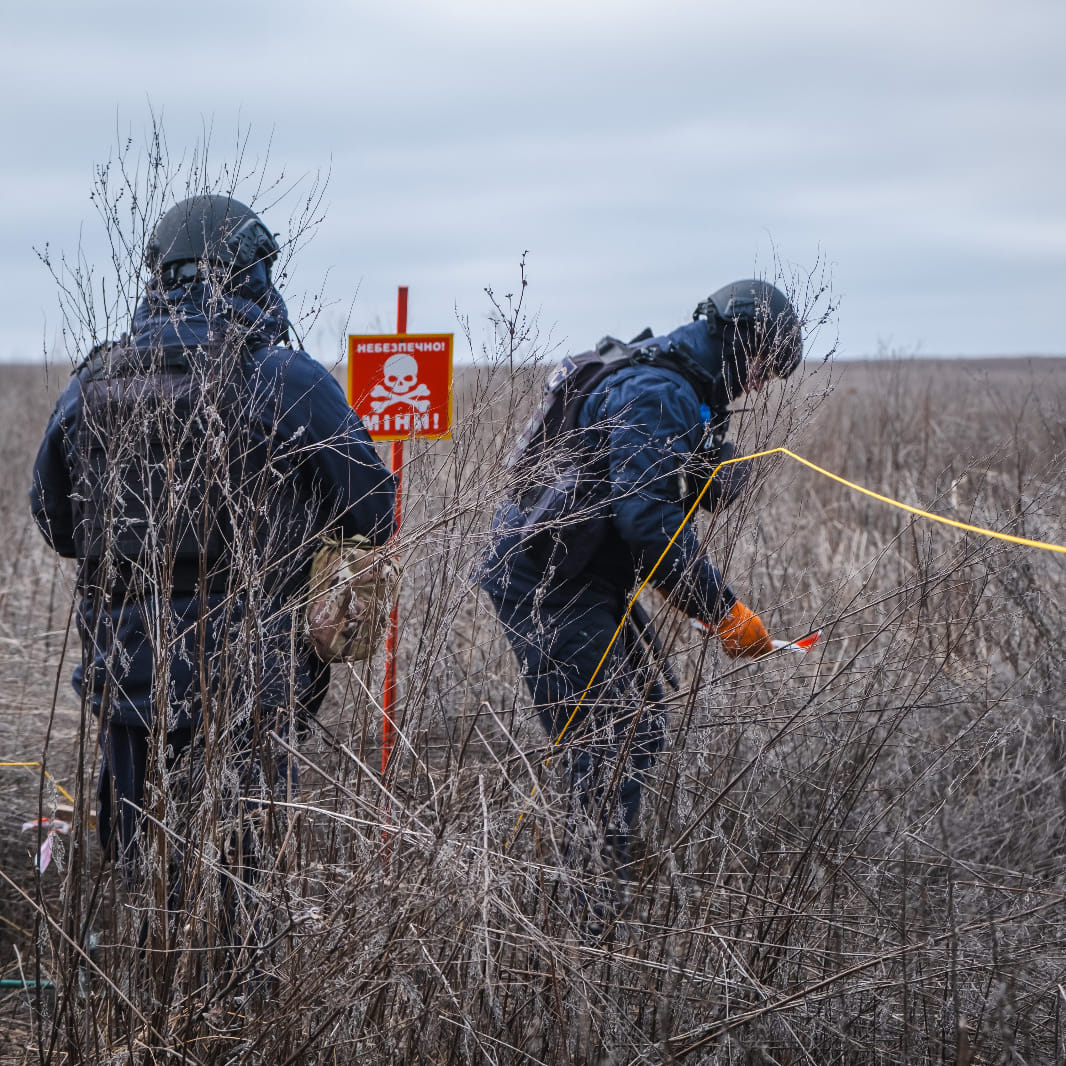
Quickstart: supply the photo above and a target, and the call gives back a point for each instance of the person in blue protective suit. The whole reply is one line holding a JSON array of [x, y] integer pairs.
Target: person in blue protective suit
[[192, 469], [596, 503]]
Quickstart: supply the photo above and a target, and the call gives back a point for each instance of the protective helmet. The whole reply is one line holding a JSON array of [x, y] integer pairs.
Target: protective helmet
[[766, 323], [213, 229]]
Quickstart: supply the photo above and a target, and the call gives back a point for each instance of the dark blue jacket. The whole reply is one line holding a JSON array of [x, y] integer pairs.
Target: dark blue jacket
[[645, 428], [308, 469]]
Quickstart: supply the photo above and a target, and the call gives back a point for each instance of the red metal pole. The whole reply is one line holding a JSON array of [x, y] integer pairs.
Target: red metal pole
[[396, 463]]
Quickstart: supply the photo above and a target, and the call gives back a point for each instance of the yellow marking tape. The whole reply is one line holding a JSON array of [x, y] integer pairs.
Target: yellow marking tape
[[38, 766], [1025, 541], [1042, 544]]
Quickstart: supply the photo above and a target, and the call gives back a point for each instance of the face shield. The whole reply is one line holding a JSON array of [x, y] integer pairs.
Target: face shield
[[762, 338]]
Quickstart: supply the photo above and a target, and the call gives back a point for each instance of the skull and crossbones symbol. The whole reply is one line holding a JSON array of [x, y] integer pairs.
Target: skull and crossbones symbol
[[400, 377]]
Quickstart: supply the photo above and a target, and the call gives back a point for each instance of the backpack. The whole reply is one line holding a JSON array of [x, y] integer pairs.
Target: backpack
[[568, 386], [558, 489], [578, 376], [553, 468]]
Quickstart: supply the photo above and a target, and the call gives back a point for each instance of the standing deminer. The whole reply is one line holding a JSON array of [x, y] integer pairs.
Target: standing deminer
[[602, 480], [192, 469]]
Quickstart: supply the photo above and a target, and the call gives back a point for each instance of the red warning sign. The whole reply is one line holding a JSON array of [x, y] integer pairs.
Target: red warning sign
[[401, 385]]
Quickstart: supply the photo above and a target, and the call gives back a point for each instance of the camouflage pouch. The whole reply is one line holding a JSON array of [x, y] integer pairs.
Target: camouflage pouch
[[351, 590]]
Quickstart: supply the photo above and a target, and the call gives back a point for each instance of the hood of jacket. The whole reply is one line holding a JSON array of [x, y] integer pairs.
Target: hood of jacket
[[699, 350], [190, 315]]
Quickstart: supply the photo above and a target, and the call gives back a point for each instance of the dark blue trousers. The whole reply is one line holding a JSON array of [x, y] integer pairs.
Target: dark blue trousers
[[260, 767], [612, 740], [126, 763], [125, 752]]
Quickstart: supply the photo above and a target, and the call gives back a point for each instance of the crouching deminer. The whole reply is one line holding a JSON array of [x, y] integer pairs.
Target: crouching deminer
[[192, 469], [603, 477]]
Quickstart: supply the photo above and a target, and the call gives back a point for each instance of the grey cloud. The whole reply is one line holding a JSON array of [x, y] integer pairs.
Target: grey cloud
[[642, 159]]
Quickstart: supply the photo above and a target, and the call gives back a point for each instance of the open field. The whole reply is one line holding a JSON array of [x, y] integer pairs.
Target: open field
[[851, 858]]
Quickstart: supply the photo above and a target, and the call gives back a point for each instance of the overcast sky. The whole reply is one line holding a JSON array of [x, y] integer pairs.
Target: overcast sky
[[644, 154]]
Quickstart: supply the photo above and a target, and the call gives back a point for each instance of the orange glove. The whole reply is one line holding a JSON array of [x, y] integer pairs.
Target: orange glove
[[743, 634]]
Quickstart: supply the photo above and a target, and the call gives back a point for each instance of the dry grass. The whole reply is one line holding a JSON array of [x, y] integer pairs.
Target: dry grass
[[849, 859]]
